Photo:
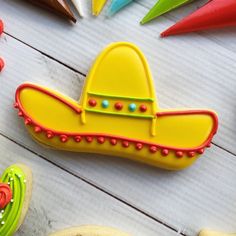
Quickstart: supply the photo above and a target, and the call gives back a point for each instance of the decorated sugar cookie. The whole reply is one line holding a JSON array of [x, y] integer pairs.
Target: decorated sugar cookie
[[15, 194], [213, 233], [117, 115], [90, 230]]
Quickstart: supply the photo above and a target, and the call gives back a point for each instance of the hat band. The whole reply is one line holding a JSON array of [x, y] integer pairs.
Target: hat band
[[120, 105]]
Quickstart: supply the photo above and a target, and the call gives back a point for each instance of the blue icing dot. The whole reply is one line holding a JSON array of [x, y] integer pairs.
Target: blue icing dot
[[105, 104], [132, 107]]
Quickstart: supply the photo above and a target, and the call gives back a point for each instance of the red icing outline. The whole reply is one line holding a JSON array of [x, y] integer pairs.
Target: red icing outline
[[101, 138]]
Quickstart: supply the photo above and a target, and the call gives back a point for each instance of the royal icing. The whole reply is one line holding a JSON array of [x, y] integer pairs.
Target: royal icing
[[10, 213], [117, 115]]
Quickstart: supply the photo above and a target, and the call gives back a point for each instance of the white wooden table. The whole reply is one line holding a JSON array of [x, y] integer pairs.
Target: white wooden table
[[196, 70]]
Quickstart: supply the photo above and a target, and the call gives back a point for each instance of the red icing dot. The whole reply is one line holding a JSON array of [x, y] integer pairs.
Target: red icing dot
[[92, 102], [119, 106], [27, 121], [1, 27], [209, 145], [78, 139], [49, 134], [139, 146], [5, 195], [113, 141], [153, 149], [143, 108], [125, 144], [89, 139], [37, 129], [2, 64], [101, 140], [191, 154], [165, 152], [79, 111], [20, 113], [179, 154], [16, 105], [63, 138], [201, 151]]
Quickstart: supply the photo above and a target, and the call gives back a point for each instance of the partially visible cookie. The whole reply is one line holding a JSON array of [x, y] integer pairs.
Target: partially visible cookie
[[90, 230], [15, 195], [213, 233]]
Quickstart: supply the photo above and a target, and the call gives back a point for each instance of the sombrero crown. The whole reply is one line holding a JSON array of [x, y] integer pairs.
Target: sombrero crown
[[116, 78]]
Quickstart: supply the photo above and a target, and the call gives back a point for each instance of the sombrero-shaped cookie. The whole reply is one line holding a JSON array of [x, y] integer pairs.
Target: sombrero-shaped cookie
[[15, 194], [117, 115]]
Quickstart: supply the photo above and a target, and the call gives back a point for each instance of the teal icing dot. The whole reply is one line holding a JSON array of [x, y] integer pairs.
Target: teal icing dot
[[105, 104], [132, 107]]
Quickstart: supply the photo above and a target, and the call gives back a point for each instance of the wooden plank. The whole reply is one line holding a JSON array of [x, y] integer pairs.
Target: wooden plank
[[193, 70], [61, 200], [187, 201]]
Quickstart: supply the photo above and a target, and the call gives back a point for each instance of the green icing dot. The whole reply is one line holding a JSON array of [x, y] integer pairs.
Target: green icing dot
[[10, 216]]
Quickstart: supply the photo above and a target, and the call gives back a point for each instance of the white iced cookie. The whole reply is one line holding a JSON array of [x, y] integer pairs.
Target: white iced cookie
[[213, 233], [90, 230]]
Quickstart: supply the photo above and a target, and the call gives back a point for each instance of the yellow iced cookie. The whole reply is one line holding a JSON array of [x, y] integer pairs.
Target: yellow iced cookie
[[89, 230], [117, 115]]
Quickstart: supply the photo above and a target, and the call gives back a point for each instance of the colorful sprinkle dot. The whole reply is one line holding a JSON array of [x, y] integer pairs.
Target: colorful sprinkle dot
[[191, 154], [125, 144], [153, 149], [101, 140], [113, 141], [143, 108], [201, 151], [89, 139], [78, 139], [92, 102], [132, 107], [165, 152], [105, 104], [139, 146], [63, 138], [37, 129], [118, 106], [179, 154]]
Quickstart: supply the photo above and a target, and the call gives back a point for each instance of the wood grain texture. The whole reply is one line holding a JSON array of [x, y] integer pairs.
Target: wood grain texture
[[61, 200], [201, 196], [195, 69]]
